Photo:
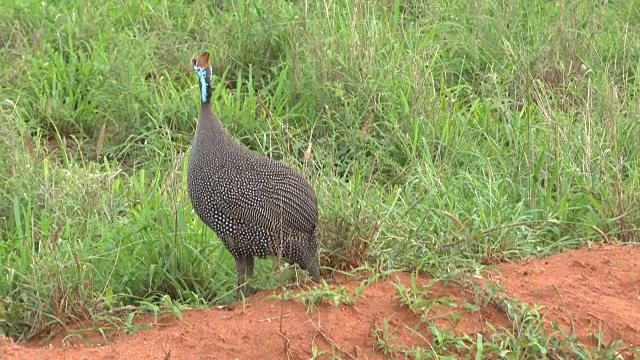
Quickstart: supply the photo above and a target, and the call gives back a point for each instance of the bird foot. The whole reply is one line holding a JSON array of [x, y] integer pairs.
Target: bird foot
[[246, 291]]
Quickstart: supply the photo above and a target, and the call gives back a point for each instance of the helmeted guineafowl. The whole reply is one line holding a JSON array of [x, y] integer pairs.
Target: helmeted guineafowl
[[256, 205]]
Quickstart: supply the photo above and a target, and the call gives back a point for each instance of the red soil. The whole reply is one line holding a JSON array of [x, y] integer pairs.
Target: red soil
[[589, 287], [584, 287]]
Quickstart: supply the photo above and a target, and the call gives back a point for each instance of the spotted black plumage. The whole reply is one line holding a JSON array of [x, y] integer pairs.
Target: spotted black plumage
[[257, 206]]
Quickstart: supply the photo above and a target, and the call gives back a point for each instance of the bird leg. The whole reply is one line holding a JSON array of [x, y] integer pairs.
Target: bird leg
[[250, 267], [244, 266]]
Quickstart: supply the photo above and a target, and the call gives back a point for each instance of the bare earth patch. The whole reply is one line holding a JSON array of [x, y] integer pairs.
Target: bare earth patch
[[584, 287], [587, 287]]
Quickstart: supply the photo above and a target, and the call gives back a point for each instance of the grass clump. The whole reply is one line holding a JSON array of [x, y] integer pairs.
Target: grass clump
[[439, 136]]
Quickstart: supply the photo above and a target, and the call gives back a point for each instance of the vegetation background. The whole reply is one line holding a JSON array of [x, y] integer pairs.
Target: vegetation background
[[443, 136]]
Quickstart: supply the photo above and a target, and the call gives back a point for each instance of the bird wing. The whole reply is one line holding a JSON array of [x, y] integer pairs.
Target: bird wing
[[268, 196]]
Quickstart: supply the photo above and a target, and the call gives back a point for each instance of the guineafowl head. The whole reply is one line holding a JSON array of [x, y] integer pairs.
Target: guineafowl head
[[202, 67]]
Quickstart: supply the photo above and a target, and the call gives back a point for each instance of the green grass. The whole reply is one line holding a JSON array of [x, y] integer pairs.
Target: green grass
[[441, 135]]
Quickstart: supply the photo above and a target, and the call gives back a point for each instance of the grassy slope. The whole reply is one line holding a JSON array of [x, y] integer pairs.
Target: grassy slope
[[434, 130]]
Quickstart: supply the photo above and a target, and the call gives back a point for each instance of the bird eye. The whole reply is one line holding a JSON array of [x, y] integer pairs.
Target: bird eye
[[195, 62]]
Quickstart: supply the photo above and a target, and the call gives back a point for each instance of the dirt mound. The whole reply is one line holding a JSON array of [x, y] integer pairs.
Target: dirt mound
[[255, 331], [584, 288]]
